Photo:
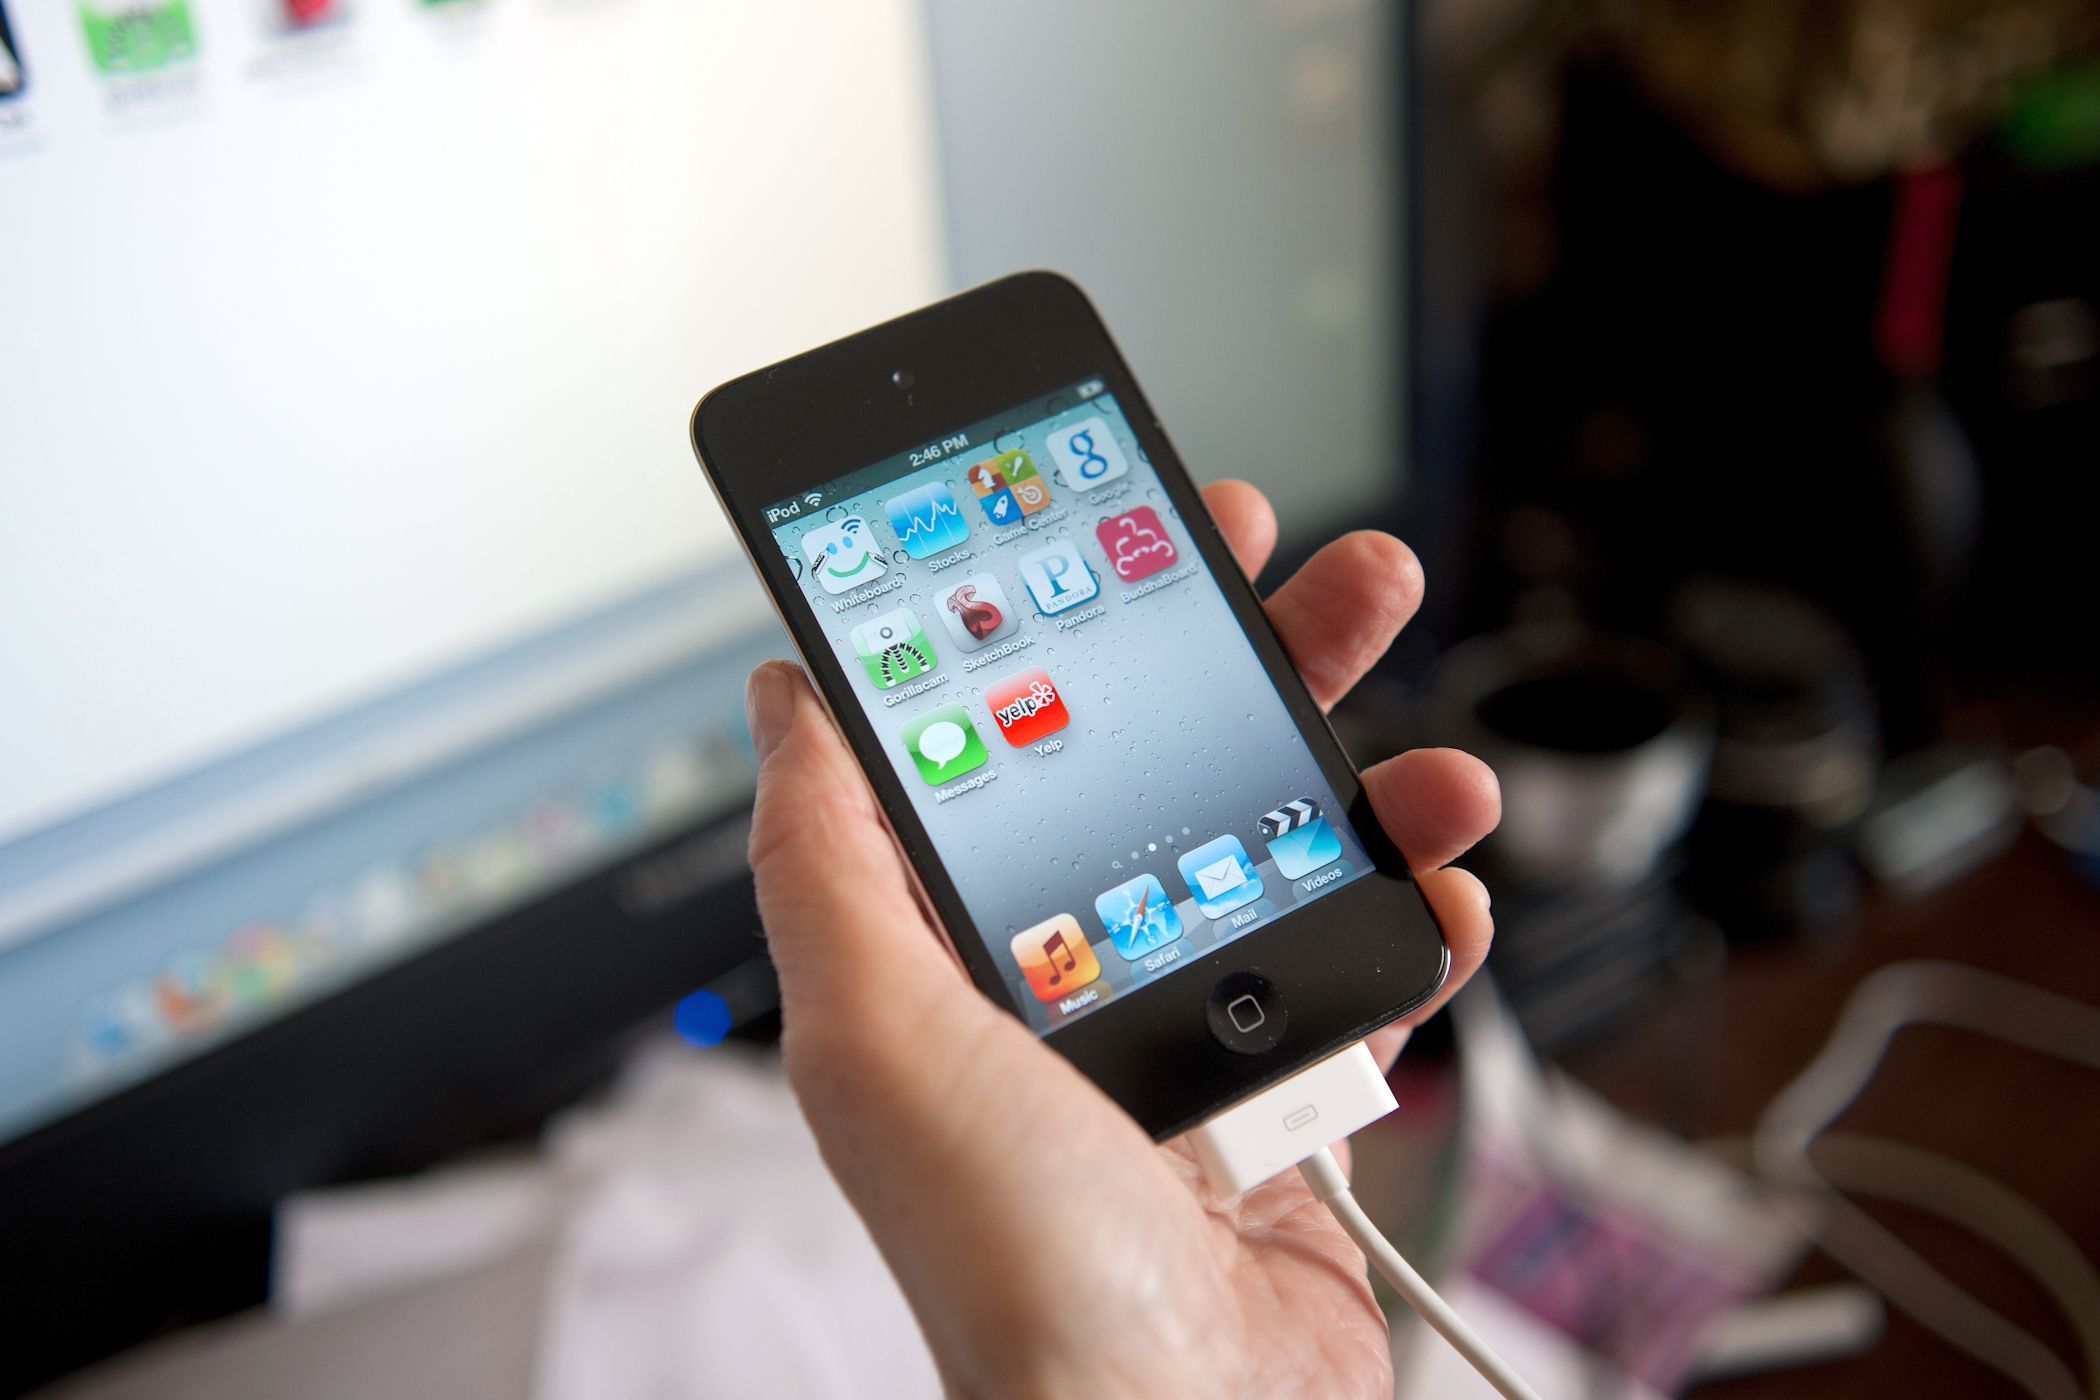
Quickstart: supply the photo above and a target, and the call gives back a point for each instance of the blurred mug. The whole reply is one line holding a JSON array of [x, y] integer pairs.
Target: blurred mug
[[1601, 747]]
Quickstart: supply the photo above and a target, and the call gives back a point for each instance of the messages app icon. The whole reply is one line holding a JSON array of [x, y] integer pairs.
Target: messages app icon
[[1220, 876], [944, 744], [927, 520], [1138, 916]]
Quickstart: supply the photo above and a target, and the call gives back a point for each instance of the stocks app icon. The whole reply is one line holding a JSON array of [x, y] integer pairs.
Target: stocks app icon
[[927, 520]]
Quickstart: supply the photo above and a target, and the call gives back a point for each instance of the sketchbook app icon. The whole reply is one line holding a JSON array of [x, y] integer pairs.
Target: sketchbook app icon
[[976, 612], [927, 520]]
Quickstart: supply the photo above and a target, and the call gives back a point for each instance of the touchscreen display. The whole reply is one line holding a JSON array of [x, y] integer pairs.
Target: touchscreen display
[[1103, 764]]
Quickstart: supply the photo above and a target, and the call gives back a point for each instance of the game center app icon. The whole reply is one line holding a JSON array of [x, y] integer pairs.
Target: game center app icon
[[1087, 454], [1299, 839], [1009, 487], [1055, 958], [1220, 876], [975, 612], [1138, 916], [944, 744], [844, 555], [894, 648], [1058, 578], [927, 520], [1136, 544], [1026, 706]]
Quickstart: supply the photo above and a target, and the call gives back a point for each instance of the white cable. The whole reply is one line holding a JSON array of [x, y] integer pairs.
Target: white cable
[[1324, 1175], [1946, 994]]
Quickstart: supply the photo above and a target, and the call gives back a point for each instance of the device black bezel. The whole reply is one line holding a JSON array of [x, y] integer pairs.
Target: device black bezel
[[1346, 964]]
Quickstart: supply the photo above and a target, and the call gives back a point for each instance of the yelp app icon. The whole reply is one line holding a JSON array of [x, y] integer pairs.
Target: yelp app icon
[[1026, 706]]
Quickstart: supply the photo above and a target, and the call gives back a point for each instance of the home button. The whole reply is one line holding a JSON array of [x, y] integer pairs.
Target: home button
[[1246, 1013]]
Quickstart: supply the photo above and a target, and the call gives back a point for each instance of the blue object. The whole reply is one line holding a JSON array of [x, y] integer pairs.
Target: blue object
[[703, 1018], [927, 520], [1299, 853], [1138, 916], [1220, 876]]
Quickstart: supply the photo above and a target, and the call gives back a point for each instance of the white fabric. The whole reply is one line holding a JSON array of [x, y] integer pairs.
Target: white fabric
[[700, 1247]]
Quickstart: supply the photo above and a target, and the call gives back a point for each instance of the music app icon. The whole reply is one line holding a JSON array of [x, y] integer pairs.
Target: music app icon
[[1055, 958]]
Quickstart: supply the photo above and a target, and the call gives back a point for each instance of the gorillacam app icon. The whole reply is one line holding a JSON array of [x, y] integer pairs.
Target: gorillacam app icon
[[894, 648], [927, 520], [843, 555]]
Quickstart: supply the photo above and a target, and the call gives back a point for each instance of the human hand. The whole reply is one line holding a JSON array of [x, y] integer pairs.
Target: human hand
[[943, 1116]]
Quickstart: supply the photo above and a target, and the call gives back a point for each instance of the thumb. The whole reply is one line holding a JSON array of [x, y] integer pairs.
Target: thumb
[[842, 919]]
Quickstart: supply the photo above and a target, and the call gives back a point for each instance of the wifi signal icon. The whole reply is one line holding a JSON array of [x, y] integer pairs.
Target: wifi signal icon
[[927, 520], [813, 498]]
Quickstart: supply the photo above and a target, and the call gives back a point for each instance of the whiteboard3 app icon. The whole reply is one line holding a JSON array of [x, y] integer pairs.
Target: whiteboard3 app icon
[[843, 554]]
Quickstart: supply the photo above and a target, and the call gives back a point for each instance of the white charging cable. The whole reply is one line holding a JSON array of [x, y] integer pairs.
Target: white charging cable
[[1293, 1124]]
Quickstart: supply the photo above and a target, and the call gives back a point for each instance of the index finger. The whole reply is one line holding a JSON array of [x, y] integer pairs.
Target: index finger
[[1245, 520]]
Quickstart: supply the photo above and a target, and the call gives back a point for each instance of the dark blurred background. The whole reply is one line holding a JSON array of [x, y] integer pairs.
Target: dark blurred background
[[376, 773]]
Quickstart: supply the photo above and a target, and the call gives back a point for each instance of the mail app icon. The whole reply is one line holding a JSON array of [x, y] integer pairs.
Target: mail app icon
[[1220, 876]]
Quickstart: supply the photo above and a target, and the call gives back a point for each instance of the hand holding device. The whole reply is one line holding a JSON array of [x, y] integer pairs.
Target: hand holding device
[[1041, 1236]]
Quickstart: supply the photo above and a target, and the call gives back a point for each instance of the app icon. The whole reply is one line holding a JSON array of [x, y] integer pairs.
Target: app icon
[[1220, 876], [1299, 839], [843, 554], [975, 612], [1026, 706], [894, 648], [1009, 487], [137, 36], [1138, 916], [1055, 958], [1058, 578], [927, 520], [1136, 543], [12, 79], [306, 14], [1087, 454], [944, 744]]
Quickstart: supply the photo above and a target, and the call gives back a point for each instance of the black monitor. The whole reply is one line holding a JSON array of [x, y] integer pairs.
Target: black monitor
[[373, 769]]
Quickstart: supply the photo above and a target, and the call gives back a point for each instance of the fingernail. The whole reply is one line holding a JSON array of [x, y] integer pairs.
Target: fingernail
[[769, 709]]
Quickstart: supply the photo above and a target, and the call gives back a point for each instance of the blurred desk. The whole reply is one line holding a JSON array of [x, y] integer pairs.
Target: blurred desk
[[1706, 1059]]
